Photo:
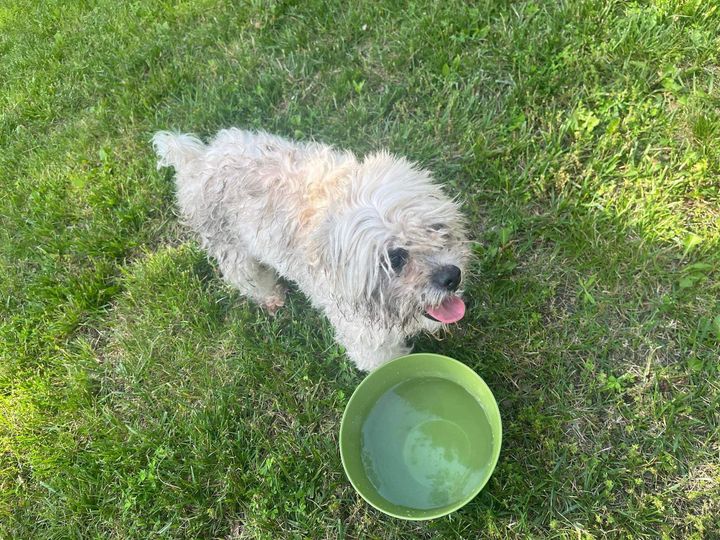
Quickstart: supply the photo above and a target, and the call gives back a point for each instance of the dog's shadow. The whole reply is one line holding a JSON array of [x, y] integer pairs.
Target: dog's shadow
[[297, 333]]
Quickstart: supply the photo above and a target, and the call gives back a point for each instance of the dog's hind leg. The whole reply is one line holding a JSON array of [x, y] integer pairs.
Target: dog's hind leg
[[252, 278]]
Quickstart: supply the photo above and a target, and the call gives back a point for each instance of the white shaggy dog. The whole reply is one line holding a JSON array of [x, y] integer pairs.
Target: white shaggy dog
[[373, 243]]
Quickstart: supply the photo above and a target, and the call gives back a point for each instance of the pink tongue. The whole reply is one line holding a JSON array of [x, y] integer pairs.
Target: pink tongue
[[450, 311]]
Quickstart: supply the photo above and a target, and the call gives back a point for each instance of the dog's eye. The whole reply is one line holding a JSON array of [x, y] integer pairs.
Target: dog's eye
[[398, 257], [438, 226]]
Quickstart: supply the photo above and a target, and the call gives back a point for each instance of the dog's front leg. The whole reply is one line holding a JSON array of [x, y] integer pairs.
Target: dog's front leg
[[368, 345], [367, 359]]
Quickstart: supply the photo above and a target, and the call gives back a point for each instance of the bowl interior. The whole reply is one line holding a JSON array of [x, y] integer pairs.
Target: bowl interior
[[420, 436]]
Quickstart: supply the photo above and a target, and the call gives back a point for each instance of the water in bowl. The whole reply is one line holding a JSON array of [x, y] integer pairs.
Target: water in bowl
[[426, 443]]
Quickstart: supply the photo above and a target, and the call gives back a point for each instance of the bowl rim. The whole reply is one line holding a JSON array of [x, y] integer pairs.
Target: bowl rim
[[496, 453]]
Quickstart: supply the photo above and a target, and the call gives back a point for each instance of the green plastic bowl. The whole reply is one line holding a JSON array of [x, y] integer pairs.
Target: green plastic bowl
[[420, 436]]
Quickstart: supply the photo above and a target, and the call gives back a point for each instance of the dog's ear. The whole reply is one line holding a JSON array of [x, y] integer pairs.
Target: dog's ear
[[350, 249]]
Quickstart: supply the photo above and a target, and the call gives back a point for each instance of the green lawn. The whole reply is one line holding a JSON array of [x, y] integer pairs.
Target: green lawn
[[142, 398]]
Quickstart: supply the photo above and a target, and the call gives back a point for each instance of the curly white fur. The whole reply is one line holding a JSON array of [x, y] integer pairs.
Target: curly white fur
[[265, 207]]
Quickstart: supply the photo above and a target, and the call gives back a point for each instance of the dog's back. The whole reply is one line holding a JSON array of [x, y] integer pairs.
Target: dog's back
[[241, 182]]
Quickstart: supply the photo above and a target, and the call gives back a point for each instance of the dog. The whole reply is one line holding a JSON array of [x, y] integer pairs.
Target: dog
[[374, 243]]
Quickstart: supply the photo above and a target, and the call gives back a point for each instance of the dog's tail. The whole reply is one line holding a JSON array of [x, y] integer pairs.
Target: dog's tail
[[176, 149]]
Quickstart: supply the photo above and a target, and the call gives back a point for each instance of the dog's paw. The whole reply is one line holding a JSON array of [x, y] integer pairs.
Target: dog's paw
[[275, 301]]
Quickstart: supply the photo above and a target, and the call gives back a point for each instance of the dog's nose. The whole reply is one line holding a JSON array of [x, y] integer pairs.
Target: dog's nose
[[447, 277]]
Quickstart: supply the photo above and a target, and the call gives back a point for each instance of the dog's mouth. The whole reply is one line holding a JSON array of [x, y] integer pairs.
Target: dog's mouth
[[451, 310]]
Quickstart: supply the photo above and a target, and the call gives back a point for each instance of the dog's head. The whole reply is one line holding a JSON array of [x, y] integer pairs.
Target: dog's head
[[397, 248]]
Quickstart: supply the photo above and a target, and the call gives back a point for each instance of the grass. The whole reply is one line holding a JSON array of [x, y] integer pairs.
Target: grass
[[141, 398]]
